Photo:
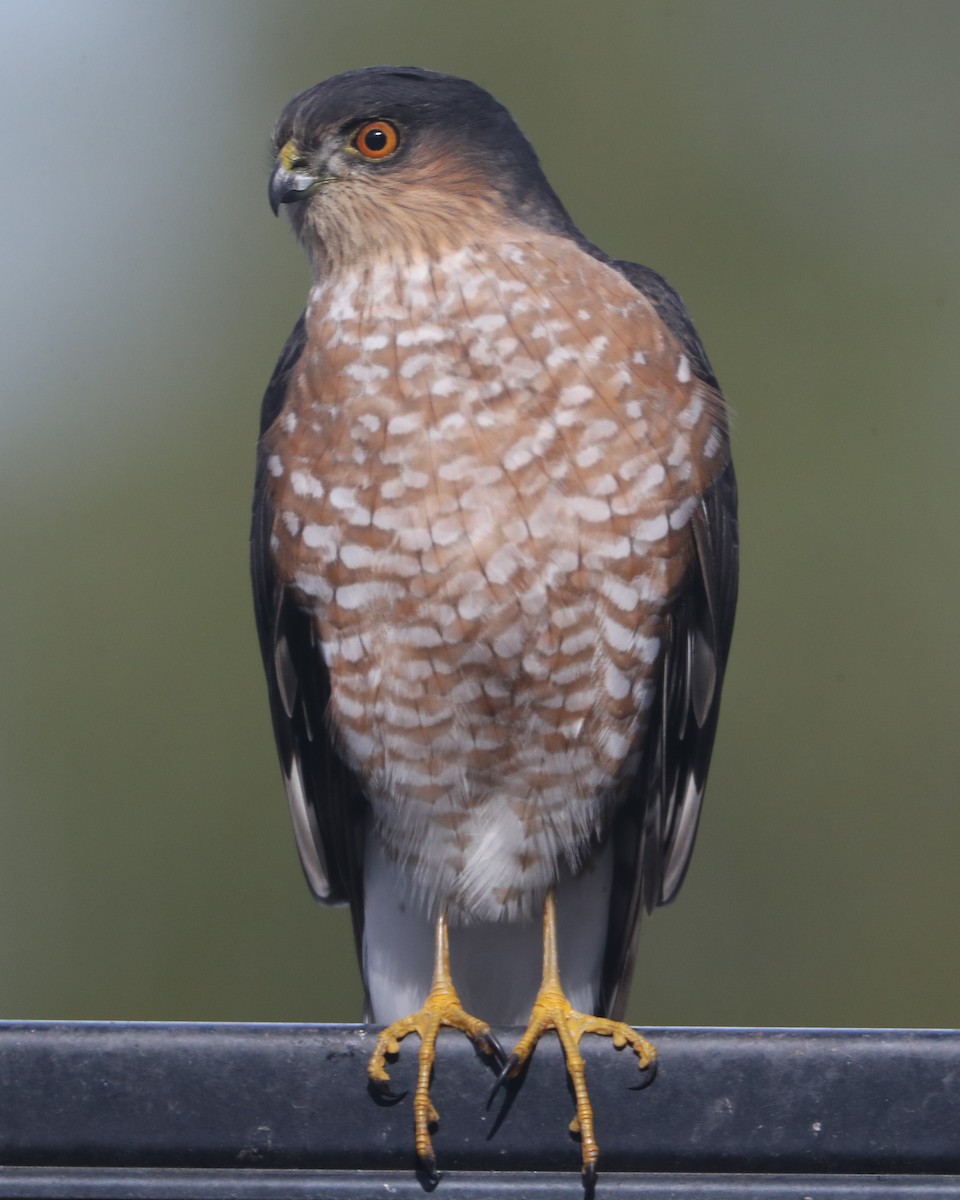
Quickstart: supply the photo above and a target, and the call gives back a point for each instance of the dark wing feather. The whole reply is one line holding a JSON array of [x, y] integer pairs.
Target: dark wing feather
[[656, 826], [326, 803]]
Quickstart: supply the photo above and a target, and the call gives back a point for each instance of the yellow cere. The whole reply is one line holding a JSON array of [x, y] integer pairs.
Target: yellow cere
[[290, 156]]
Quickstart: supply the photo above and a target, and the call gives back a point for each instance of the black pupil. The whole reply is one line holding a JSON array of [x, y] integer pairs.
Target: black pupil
[[375, 140]]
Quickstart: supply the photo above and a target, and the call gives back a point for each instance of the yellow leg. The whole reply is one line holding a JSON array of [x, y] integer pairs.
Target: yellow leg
[[552, 1010], [442, 1007]]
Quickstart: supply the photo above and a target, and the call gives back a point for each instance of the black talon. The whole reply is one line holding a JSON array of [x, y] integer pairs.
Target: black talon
[[509, 1066], [649, 1075], [491, 1045], [431, 1175], [589, 1176], [381, 1090]]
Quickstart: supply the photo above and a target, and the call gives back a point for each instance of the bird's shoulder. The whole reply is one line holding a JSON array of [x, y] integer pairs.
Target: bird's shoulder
[[663, 298], [671, 309], [275, 395]]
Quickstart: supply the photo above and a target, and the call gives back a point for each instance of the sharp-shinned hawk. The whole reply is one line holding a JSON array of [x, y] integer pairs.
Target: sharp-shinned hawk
[[495, 569]]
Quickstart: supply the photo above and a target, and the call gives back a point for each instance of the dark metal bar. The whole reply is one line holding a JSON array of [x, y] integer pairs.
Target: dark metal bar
[[146, 1102]]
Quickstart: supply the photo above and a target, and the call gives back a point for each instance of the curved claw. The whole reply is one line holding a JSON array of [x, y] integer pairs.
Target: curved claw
[[491, 1045], [382, 1091], [649, 1075], [428, 1170], [588, 1174], [510, 1065]]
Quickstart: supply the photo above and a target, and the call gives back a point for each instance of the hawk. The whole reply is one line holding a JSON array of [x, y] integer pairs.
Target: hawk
[[494, 558]]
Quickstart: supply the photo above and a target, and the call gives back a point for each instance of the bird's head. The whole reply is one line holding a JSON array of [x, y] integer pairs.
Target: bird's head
[[399, 161]]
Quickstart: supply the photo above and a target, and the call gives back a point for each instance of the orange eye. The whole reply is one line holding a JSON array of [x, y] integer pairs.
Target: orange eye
[[376, 139]]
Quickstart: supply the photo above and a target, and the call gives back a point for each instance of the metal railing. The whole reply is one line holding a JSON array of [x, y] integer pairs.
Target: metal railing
[[253, 1111]]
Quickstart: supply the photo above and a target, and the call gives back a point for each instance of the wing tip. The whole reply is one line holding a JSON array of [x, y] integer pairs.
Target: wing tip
[[680, 848], [308, 841]]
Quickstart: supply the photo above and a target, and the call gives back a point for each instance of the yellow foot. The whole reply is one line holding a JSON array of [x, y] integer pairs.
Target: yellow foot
[[442, 1007], [552, 1010]]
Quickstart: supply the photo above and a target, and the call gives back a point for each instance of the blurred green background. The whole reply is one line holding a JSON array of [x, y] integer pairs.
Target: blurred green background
[[793, 168]]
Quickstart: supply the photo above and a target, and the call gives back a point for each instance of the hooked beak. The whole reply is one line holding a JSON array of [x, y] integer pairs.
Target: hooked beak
[[290, 179], [287, 187]]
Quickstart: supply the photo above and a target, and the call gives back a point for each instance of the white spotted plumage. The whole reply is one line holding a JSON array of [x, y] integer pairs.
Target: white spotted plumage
[[489, 505]]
